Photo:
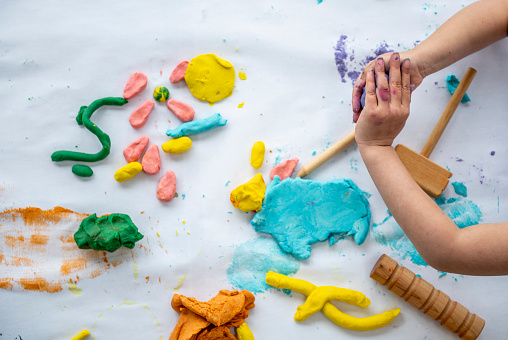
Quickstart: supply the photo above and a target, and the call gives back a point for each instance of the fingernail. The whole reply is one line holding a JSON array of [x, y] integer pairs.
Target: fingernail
[[380, 61], [396, 56]]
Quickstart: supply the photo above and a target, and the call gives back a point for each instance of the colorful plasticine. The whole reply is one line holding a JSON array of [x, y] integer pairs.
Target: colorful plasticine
[[108, 232], [177, 145], [83, 334], [210, 78], [249, 196], [161, 94], [136, 83], [135, 149], [257, 154], [284, 169], [335, 315], [243, 332], [197, 126], [167, 187], [83, 118], [151, 161], [178, 73], [140, 115], [82, 170], [181, 110], [128, 171]]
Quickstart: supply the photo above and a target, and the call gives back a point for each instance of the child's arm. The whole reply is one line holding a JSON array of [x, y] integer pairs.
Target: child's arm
[[469, 30], [475, 250]]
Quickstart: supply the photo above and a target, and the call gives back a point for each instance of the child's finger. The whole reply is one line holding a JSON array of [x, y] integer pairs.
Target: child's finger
[[395, 79], [406, 82], [370, 88], [357, 94], [383, 92]]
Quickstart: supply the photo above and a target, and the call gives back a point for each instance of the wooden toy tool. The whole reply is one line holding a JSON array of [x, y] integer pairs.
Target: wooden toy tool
[[327, 154], [423, 296], [431, 177]]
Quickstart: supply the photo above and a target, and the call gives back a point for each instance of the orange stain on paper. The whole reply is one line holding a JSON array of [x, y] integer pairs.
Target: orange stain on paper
[[41, 254]]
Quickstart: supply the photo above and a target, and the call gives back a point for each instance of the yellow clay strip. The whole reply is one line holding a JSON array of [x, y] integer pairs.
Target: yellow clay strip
[[243, 332], [339, 318], [83, 334]]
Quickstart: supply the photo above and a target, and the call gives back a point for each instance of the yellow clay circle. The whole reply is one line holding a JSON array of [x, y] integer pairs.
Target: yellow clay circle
[[128, 171], [210, 78], [177, 145]]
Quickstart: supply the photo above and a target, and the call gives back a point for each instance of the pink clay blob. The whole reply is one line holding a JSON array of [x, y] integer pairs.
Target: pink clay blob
[[135, 149], [139, 116], [284, 169], [178, 73], [136, 83], [181, 110], [167, 187], [151, 161]]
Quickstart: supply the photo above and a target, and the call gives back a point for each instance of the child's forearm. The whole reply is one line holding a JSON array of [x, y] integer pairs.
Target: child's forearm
[[470, 30], [476, 250]]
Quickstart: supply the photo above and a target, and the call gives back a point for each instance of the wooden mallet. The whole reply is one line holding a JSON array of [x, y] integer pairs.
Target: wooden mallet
[[423, 296], [431, 177]]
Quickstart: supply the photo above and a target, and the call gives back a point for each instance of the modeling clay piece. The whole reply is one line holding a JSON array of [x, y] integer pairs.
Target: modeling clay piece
[[227, 309], [128, 171], [135, 149], [284, 169], [249, 196], [83, 118], [210, 78], [83, 334], [197, 126], [139, 116], [216, 333], [243, 332], [177, 145], [178, 73], [257, 154], [108, 232], [82, 170], [167, 187], [339, 318], [451, 83], [136, 83], [161, 94], [181, 110], [298, 213], [151, 161]]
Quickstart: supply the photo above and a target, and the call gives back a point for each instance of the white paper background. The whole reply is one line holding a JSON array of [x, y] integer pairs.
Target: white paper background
[[56, 56]]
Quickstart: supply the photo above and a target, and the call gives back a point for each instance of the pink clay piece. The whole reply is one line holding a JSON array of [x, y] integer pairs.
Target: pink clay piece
[[178, 73], [135, 149], [136, 83], [284, 169], [167, 187], [151, 161], [139, 116], [181, 110]]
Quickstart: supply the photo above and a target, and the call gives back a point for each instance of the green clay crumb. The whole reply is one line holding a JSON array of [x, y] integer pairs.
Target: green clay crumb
[[108, 232], [82, 170]]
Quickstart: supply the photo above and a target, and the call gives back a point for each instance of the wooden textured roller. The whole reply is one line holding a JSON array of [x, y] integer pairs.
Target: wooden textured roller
[[423, 296]]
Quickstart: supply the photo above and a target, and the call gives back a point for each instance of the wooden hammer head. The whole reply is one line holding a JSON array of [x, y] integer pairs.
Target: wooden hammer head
[[432, 178]]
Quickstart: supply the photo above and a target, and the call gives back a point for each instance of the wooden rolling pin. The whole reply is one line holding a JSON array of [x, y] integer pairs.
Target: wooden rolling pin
[[423, 296]]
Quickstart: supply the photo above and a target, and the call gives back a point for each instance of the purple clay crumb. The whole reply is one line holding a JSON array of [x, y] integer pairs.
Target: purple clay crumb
[[492, 153]]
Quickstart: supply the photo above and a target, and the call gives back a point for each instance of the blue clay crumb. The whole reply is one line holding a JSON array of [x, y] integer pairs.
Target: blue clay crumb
[[452, 82], [460, 189]]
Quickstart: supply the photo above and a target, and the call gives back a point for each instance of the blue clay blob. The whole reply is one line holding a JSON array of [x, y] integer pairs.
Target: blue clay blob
[[463, 213], [253, 259], [364, 94], [197, 126], [298, 213], [460, 189], [452, 82]]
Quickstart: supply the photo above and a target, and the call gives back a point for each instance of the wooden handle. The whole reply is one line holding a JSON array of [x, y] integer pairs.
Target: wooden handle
[[327, 154], [448, 112], [423, 296]]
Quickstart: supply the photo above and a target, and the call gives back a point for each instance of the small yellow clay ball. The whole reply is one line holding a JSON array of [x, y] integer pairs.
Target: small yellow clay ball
[[257, 155], [128, 171], [249, 196], [177, 145]]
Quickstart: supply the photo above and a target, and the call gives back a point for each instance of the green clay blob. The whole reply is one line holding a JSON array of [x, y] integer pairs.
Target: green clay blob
[[82, 170], [108, 232], [83, 118]]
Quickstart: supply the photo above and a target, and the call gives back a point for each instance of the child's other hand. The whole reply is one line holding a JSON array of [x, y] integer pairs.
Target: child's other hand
[[417, 75], [387, 106]]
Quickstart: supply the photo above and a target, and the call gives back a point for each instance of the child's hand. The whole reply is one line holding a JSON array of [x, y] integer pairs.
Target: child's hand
[[417, 75], [387, 106]]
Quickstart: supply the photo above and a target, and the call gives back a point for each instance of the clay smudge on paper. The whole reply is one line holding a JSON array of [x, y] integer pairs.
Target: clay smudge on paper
[[39, 251], [299, 213], [253, 259], [462, 211]]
